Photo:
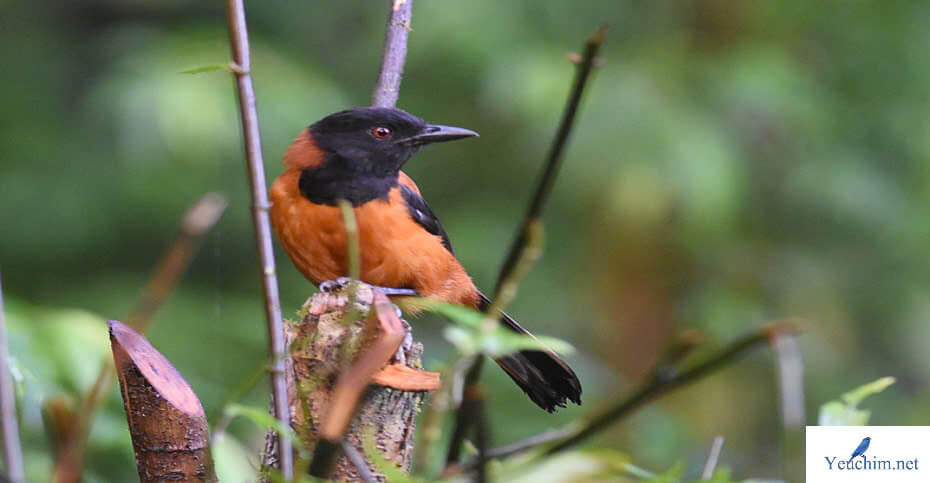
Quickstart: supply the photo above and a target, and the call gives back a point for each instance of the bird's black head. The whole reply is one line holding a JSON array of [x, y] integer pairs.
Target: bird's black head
[[364, 149]]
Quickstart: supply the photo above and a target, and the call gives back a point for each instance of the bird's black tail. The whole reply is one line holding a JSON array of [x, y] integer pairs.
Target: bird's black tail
[[542, 375]]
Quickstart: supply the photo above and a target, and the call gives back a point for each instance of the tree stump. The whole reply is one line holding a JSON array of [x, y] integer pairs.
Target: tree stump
[[166, 421], [320, 346]]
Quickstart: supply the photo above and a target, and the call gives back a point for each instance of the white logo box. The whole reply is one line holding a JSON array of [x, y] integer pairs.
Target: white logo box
[[894, 454]]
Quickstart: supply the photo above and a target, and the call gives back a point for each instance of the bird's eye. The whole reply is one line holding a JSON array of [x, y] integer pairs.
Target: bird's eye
[[381, 132]]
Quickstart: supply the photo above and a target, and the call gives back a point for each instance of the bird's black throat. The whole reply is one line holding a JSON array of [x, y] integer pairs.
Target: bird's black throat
[[328, 184]]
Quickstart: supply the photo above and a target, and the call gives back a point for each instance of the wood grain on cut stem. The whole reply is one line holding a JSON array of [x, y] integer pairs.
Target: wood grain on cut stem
[[239, 42], [394, 55], [198, 220], [166, 421], [323, 398]]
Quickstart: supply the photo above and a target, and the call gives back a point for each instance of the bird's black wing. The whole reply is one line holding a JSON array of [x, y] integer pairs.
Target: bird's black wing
[[424, 216]]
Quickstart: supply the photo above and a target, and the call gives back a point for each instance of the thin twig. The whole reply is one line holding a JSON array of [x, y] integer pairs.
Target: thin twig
[[522, 254], [198, 220], [659, 386], [527, 256], [9, 424], [468, 414], [358, 461], [652, 389], [553, 160], [525, 444], [712, 458], [239, 42], [482, 435], [465, 414], [395, 54]]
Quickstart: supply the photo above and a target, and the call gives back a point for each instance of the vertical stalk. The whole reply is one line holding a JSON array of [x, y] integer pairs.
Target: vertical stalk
[[239, 42]]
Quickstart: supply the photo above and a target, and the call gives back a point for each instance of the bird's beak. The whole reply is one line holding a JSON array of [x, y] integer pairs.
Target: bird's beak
[[435, 133]]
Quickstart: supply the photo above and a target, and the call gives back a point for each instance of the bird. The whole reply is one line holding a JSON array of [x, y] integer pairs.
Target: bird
[[356, 155], [860, 450]]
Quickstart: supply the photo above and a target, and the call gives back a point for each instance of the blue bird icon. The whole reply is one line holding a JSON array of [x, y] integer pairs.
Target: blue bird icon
[[860, 450]]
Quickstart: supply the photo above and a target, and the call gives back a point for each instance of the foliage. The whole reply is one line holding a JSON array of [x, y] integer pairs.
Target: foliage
[[845, 411], [735, 162]]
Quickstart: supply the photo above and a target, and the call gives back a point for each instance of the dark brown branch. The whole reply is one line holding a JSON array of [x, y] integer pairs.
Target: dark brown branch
[[395, 54], [553, 160], [659, 386], [166, 420], [198, 220], [239, 41], [531, 224], [664, 382], [465, 416], [9, 424]]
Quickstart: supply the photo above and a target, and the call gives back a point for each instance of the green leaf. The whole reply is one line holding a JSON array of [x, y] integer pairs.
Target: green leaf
[[456, 313], [845, 412], [206, 68], [722, 475], [673, 475], [232, 460], [854, 397], [502, 341], [261, 418]]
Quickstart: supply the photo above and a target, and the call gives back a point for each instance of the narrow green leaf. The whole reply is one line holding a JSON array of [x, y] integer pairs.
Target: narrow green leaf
[[845, 412], [232, 459], [673, 475], [261, 418], [206, 68], [456, 313], [854, 397]]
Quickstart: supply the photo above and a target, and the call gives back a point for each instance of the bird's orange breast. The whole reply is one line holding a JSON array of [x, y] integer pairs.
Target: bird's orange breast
[[395, 250]]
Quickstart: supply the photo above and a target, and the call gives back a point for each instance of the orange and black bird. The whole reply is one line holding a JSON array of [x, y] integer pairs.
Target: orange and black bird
[[356, 155]]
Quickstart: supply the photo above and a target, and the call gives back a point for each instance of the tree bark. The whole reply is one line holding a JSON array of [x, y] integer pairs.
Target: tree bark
[[320, 347], [166, 421]]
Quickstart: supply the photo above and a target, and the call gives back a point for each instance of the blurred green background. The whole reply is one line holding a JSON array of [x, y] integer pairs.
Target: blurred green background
[[733, 163]]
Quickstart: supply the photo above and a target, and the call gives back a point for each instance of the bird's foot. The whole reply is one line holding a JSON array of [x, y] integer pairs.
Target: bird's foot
[[330, 286]]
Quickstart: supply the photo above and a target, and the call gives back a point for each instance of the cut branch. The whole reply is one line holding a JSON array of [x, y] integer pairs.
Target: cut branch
[[9, 423], [239, 41], [198, 220], [395, 54], [166, 421]]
